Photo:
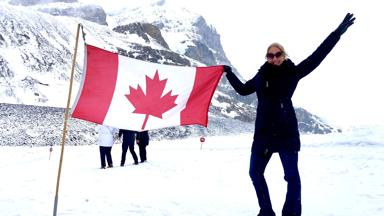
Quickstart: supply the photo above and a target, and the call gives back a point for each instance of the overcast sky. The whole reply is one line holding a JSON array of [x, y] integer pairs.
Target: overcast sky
[[346, 89]]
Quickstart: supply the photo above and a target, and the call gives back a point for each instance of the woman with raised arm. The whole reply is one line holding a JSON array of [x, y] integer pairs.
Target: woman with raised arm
[[276, 128]]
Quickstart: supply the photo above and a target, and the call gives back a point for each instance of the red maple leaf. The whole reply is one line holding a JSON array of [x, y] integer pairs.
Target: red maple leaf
[[151, 103]]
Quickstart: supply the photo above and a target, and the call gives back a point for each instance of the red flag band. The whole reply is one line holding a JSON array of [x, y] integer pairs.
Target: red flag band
[[132, 94]]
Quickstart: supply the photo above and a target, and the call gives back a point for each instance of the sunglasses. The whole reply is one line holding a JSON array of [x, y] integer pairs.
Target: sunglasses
[[271, 55]]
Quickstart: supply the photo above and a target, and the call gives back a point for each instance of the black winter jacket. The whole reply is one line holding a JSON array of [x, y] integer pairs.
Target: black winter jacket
[[276, 126], [143, 138], [128, 136]]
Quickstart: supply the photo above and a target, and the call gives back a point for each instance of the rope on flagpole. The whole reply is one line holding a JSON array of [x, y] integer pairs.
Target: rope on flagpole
[[65, 121], [82, 32]]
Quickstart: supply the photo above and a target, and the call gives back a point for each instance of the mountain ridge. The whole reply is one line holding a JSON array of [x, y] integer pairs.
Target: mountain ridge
[[36, 49]]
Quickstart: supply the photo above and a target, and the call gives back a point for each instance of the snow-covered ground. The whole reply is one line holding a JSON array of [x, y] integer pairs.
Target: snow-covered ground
[[342, 175]]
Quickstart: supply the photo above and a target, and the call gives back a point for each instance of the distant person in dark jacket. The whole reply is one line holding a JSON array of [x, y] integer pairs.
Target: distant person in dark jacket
[[142, 140], [276, 128], [128, 142]]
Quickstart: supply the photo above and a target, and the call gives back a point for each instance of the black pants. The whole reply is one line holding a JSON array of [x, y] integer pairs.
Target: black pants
[[143, 152], [131, 146], [292, 205], [105, 153]]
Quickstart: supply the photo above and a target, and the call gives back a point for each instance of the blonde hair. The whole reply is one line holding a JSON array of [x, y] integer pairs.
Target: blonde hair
[[280, 47]]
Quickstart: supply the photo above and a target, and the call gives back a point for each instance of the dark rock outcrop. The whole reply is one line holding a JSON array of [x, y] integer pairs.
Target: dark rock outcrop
[[143, 30], [91, 13]]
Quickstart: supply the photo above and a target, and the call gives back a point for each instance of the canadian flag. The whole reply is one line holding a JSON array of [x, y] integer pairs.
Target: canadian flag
[[131, 94]]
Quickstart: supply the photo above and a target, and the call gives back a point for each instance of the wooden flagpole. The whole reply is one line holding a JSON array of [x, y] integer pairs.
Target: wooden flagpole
[[65, 122]]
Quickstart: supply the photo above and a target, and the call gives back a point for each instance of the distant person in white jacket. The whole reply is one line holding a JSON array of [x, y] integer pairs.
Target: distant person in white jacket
[[106, 139]]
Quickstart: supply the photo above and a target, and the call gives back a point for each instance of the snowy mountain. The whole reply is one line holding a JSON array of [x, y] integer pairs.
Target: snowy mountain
[[36, 48]]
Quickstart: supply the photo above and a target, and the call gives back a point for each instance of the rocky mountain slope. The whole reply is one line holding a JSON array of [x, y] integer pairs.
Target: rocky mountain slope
[[36, 47]]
